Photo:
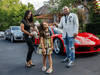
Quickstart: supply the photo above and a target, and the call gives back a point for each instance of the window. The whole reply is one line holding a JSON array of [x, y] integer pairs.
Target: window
[[16, 28]]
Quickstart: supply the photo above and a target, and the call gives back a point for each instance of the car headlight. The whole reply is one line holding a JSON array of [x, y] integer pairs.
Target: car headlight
[[77, 41], [16, 34]]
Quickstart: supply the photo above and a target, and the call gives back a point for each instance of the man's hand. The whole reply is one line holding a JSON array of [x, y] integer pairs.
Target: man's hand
[[75, 35], [55, 24]]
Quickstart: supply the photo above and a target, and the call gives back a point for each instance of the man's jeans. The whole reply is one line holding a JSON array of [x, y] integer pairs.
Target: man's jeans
[[69, 45]]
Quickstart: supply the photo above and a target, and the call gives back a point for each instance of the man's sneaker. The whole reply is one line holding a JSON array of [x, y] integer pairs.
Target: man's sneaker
[[65, 60], [70, 64]]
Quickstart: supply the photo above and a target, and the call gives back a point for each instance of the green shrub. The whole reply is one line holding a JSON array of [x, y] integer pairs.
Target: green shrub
[[93, 28]]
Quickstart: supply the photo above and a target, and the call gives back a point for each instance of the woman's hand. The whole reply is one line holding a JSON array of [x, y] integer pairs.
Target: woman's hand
[[31, 34]]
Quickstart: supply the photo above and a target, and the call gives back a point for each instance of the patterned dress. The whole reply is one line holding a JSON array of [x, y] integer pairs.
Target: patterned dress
[[47, 42]]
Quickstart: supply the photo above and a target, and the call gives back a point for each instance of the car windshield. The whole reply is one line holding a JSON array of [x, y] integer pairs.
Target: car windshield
[[57, 30], [16, 28]]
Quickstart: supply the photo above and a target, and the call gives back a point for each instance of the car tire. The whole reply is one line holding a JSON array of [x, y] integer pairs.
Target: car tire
[[58, 46], [5, 37], [12, 38]]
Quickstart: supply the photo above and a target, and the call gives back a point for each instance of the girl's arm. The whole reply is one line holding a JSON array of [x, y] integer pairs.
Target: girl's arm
[[41, 41], [22, 29], [51, 41]]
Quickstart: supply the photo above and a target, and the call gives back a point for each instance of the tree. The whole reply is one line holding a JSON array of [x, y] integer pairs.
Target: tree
[[11, 13], [31, 7], [94, 12]]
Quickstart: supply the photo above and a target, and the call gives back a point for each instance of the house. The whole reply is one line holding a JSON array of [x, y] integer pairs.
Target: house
[[44, 12]]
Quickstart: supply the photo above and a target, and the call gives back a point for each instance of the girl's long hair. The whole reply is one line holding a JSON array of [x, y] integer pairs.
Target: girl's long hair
[[41, 29], [31, 20]]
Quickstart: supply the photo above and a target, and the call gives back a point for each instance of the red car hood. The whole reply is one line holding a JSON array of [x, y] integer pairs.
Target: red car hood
[[85, 38]]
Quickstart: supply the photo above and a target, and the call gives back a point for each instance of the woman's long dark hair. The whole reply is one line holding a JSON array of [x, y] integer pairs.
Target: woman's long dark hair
[[31, 20]]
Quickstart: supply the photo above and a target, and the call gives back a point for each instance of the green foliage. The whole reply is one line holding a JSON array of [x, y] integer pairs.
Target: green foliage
[[12, 12], [31, 7], [61, 4], [93, 16], [93, 27], [36, 19], [74, 10]]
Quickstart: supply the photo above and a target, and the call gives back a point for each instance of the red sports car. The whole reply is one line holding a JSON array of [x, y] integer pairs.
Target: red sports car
[[84, 42]]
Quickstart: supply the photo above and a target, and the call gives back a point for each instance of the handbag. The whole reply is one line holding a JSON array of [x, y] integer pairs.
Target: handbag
[[39, 49]]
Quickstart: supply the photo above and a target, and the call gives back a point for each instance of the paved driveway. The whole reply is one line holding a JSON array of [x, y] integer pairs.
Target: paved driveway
[[13, 55]]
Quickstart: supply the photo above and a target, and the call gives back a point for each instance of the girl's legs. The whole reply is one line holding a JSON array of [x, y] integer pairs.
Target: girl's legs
[[50, 61], [44, 60]]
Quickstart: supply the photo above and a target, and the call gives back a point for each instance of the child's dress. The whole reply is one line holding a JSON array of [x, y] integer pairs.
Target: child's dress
[[46, 41]]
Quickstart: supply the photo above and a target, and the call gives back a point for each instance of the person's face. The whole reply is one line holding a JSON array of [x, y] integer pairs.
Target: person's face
[[66, 10], [29, 15], [45, 25]]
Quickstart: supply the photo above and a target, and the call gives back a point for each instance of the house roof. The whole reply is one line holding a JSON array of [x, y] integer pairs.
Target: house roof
[[43, 10]]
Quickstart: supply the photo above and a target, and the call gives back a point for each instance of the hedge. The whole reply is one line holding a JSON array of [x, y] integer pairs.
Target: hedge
[[93, 28]]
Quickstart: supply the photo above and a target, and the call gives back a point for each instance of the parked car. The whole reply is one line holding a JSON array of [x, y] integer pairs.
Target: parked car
[[84, 42], [14, 33], [1, 33]]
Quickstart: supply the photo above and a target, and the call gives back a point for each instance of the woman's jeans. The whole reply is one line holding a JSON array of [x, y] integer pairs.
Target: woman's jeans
[[69, 45], [30, 44]]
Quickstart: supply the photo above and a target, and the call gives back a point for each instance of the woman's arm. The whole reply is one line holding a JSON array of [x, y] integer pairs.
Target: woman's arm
[[22, 29]]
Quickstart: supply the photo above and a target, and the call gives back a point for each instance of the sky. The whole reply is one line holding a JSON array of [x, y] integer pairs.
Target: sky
[[37, 3]]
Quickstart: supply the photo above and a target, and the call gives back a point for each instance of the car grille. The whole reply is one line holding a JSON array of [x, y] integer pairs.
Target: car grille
[[96, 47], [99, 46], [82, 49], [18, 37]]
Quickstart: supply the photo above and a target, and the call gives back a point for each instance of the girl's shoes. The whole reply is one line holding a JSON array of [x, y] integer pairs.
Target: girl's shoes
[[49, 70], [44, 68]]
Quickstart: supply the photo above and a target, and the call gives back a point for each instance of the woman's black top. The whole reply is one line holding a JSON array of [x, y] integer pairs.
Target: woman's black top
[[26, 25]]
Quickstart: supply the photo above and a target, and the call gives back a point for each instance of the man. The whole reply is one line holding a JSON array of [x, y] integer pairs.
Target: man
[[69, 22]]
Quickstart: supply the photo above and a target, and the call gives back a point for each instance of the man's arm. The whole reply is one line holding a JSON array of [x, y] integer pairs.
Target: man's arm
[[60, 25], [76, 25]]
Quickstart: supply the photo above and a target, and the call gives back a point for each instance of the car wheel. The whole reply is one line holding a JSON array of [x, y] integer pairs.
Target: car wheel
[[5, 37], [12, 38], [58, 46]]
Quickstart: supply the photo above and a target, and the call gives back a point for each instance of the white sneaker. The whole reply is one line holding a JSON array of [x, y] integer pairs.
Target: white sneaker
[[70, 64]]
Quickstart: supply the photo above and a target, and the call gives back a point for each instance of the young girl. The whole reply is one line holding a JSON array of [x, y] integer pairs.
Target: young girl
[[46, 43]]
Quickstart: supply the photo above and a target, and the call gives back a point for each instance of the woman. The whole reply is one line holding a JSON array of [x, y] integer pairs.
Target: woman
[[25, 24], [46, 43]]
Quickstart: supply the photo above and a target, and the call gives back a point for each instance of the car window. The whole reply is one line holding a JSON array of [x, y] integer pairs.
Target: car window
[[57, 30], [16, 28]]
